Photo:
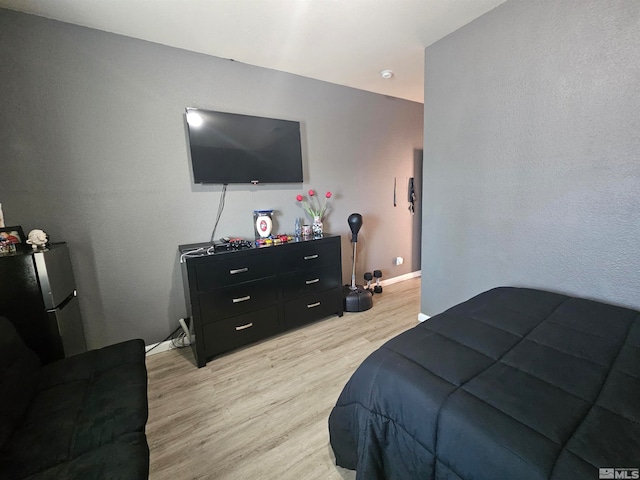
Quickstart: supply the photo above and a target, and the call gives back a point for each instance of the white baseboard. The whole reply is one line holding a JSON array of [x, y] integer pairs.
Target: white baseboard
[[422, 317], [401, 278], [161, 347]]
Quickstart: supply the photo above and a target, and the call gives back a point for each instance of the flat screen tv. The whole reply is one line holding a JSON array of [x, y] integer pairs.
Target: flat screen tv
[[232, 148]]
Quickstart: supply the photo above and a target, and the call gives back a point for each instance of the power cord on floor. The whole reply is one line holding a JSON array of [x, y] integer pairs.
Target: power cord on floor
[[180, 341], [179, 337], [170, 336]]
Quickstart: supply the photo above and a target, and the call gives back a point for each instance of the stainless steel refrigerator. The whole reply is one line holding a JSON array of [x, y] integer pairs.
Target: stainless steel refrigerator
[[38, 294]]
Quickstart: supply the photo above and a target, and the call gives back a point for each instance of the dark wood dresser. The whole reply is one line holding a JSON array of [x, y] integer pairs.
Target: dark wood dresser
[[241, 296]]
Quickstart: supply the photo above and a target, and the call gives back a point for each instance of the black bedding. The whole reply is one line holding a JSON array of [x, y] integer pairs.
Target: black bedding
[[512, 384]]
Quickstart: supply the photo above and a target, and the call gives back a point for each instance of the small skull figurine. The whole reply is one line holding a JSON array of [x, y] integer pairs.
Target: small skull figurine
[[37, 239]]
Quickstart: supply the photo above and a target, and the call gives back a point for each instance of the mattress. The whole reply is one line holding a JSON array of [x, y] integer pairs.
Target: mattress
[[512, 384]]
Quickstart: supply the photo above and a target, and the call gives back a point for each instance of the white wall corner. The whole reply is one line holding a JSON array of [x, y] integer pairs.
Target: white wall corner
[[422, 317]]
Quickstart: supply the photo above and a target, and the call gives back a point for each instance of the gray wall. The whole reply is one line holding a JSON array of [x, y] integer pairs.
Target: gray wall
[[93, 150], [532, 145]]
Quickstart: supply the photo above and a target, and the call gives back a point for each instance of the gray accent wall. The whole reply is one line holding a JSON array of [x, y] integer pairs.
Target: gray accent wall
[[93, 150], [532, 153]]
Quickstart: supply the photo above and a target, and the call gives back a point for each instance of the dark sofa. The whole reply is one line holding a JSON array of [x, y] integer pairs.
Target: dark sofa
[[79, 418]]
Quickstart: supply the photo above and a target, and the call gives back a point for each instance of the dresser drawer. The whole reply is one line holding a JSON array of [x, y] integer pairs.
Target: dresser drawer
[[237, 331], [233, 268], [312, 307], [311, 254], [304, 282], [237, 299]]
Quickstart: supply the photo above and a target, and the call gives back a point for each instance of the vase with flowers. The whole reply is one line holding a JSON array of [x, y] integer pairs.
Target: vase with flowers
[[315, 210]]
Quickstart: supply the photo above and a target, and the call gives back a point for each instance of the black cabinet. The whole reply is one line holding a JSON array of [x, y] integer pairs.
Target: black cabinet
[[238, 297]]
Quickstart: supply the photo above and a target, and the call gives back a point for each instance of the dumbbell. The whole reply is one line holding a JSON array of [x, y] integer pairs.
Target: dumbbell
[[378, 288], [368, 277]]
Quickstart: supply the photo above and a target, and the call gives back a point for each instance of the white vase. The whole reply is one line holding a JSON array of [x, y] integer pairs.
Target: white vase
[[317, 227]]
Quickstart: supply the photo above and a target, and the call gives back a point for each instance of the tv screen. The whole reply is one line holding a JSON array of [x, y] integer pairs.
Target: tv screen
[[233, 148]]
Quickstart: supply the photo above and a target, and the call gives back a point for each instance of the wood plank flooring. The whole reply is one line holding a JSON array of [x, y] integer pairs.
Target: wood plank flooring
[[261, 412]]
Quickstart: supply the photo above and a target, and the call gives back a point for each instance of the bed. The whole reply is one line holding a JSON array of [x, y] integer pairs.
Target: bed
[[514, 383]]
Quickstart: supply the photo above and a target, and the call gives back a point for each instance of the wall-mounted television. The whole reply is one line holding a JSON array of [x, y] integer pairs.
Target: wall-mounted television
[[233, 148]]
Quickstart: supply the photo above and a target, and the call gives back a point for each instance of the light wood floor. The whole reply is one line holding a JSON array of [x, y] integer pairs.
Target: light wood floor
[[261, 412]]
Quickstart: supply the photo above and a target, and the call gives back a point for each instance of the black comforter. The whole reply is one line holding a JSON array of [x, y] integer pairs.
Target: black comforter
[[512, 384]]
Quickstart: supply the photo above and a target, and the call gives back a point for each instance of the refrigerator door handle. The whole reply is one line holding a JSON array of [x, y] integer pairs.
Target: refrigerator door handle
[[64, 302]]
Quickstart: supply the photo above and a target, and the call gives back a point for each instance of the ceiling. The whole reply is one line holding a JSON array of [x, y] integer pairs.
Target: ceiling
[[347, 42]]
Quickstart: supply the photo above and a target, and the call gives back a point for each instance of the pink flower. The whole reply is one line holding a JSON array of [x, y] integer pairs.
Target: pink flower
[[313, 205]]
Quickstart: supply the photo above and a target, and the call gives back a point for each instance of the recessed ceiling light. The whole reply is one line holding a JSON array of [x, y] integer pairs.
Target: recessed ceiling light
[[386, 74]]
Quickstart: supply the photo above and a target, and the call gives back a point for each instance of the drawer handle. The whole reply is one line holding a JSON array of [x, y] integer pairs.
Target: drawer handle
[[242, 299], [239, 270], [313, 305], [311, 257], [244, 327], [309, 282]]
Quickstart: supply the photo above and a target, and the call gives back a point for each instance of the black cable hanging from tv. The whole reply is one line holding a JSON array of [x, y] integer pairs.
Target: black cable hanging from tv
[[220, 209]]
